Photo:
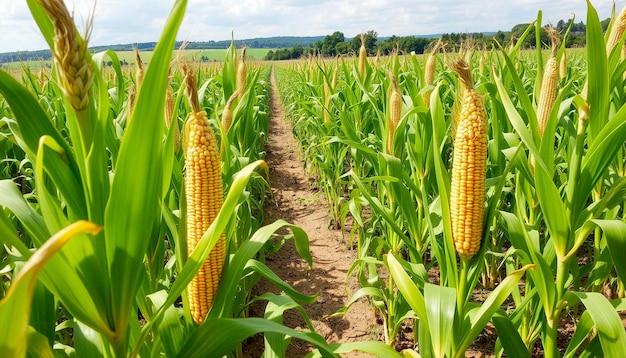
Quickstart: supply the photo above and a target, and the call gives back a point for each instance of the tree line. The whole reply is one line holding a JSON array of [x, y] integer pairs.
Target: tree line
[[337, 44]]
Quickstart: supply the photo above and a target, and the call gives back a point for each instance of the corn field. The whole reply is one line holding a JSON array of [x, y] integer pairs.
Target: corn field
[[478, 187]]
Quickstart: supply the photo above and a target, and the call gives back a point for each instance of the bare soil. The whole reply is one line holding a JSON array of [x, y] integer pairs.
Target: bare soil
[[296, 200]]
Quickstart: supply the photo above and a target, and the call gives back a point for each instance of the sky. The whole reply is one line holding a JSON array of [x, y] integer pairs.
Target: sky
[[133, 21]]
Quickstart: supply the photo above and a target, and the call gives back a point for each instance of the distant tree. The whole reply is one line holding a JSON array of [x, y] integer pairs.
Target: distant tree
[[500, 36], [370, 42], [342, 48], [330, 43], [410, 44]]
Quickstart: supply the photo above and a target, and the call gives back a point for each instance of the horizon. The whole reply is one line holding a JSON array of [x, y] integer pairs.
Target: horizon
[[134, 21]]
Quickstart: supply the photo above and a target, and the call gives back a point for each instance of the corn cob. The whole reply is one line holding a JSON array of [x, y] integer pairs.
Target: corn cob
[[429, 71], [617, 31], [169, 117], [242, 70], [362, 56], [468, 169], [563, 65], [204, 197], [549, 84], [395, 112], [227, 114]]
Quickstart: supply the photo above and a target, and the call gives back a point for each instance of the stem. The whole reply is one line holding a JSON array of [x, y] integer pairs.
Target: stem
[[390, 314], [550, 349], [553, 318], [561, 278], [597, 286], [461, 295]]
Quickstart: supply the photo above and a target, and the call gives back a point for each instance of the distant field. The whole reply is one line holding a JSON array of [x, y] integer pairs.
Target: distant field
[[129, 57]]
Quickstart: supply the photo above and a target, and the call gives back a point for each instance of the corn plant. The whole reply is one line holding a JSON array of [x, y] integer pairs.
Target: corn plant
[[99, 156]]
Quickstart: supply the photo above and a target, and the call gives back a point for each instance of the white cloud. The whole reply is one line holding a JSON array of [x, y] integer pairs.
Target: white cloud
[[130, 21]]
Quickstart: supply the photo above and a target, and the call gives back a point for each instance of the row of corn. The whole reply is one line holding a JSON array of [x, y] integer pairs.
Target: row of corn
[[131, 204], [478, 187]]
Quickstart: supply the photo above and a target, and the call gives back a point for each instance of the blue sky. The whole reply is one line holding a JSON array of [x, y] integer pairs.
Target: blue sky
[[131, 21]]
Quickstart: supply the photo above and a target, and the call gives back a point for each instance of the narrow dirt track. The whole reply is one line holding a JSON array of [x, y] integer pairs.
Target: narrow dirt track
[[296, 201]]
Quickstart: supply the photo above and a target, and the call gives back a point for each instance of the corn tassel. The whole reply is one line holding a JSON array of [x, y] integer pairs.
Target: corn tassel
[[70, 53], [469, 168], [204, 198]]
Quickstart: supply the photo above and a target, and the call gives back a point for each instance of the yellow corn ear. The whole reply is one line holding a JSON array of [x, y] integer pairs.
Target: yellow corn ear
[[563, 65], [395, 113], [362, 56], [429, 71], [467, 195], [204, 198], [169, 118], [549, 84], [617, 31], [227, 113], [242, 71]]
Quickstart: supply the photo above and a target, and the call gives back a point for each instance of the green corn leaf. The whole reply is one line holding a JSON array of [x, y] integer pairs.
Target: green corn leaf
[[170, 328], [377, 349], [233, 271], [43, 21], [8, 234], [31, 122], [607, 322], [229, 72], [542, 275], [481, 315], [275, 343], [15, 306], [441, 309], [408, 288], [597, 74], [131, 213], [616, 241], [509, 336], [38, 345], [601, 153], [446, 256], [583, 328], [265, 271], [84, 305], [227, 333]]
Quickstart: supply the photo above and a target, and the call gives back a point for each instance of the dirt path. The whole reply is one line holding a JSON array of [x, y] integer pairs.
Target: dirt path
[[296, 202]]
